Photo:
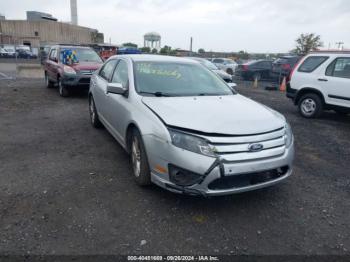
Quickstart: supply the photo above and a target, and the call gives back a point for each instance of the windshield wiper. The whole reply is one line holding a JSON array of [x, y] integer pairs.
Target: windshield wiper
[[158, 94]]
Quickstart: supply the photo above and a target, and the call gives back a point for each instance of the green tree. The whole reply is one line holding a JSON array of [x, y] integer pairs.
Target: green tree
[[154, 51], [306, 43], [145, 49], [243, 55], [129, 45], [165, 50], [201, 51]]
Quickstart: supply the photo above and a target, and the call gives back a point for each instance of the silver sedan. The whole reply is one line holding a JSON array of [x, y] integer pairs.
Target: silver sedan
[[186, 129]]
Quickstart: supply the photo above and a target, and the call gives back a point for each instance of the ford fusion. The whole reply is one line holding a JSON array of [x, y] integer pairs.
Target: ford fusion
[[186, 129]]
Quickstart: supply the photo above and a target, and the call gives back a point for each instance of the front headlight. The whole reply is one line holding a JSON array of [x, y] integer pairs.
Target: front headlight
[[288, 135], [69, 70], [191, 143]]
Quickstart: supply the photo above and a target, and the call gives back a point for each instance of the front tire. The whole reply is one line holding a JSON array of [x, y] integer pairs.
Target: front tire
[[229, 71], [48, 82], [310, 105], [139, 162], [95, 121], [62, 89]]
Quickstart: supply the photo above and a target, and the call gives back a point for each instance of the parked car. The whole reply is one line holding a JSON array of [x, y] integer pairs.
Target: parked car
[[7, 53], [70, 67], [259, 69], [225, 76], [321, 81], [225, 64], [282, 66], [22, 53], [186, 130], [3, 53]]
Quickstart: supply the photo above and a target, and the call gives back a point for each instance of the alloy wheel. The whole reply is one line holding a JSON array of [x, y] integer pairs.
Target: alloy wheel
[[60, 87], [136, 156], [308, 106], [92, 111]]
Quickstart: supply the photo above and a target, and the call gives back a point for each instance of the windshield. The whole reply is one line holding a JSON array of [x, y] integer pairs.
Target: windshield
[[177, 79], [84, 55]]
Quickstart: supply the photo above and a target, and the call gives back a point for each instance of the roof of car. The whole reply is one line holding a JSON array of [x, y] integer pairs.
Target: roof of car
[[330, 52], [71, 46], [288, 56], [156, 58]]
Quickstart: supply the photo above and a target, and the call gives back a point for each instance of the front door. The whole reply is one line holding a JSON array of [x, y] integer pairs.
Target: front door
[[119, 105]]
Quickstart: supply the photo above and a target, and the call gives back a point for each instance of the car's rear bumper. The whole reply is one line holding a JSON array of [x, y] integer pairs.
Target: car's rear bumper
[[291, 92]]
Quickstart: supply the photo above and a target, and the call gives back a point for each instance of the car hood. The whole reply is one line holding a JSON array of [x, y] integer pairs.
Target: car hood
[[231, 115], [86, 66]]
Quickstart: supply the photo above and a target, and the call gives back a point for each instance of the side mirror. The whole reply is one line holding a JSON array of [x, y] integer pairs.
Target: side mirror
[[232, 86], [116, 88]]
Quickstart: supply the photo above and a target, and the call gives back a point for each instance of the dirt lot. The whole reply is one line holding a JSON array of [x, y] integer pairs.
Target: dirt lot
[[66, 188]]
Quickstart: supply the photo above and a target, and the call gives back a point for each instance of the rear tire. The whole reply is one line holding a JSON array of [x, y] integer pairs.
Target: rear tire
[[229, 71], [95, 121], [139, 161], [62, 89], [310, 105], [48, 82]]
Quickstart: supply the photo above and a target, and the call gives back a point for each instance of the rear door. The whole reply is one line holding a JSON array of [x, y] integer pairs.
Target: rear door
[[336, 82], [51, 64], [309, 72], [266, 68]]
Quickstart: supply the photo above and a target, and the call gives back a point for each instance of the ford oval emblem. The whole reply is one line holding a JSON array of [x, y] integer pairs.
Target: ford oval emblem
[[255, 147]]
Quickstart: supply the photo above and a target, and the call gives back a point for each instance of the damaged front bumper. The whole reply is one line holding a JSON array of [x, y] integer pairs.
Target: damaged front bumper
[[216, 176]]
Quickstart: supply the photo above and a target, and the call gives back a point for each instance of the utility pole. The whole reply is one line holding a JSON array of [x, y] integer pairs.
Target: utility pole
[[191, 45], [339, 44]]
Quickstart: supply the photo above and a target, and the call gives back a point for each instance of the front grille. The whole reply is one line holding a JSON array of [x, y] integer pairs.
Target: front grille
[[240, 148], [250, 179]]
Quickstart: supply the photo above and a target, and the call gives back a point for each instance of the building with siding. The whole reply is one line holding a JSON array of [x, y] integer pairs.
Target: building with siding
[[46, 32]]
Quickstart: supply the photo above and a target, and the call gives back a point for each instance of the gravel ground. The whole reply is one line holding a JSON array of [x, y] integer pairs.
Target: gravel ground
[[67, 188]]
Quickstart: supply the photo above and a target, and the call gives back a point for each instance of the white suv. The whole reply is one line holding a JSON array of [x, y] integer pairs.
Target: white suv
[[225, 64], [321, 80]]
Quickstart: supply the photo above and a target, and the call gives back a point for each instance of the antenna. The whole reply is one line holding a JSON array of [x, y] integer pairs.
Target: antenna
[[339, 44]]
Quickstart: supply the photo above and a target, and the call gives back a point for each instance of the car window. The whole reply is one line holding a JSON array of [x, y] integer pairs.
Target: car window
[[121, 74], [340, 67], [53, 54], [219, 61], [107, 69], [228, 62], [311, 63], [265, 65]]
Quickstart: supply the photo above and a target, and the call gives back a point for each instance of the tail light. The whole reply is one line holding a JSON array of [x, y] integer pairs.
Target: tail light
[[286, 66], [245, 67], [289, 77]]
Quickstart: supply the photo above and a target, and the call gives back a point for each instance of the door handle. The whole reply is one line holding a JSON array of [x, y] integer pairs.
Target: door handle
[[322, 79]]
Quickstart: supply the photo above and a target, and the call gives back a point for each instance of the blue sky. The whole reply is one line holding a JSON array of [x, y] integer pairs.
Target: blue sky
[[231, 25]]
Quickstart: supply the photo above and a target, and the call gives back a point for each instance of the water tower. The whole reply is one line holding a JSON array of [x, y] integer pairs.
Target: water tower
[[152, 40]]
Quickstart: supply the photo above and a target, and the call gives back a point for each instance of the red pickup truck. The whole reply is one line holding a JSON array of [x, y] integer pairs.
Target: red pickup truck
[[69, 66]]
